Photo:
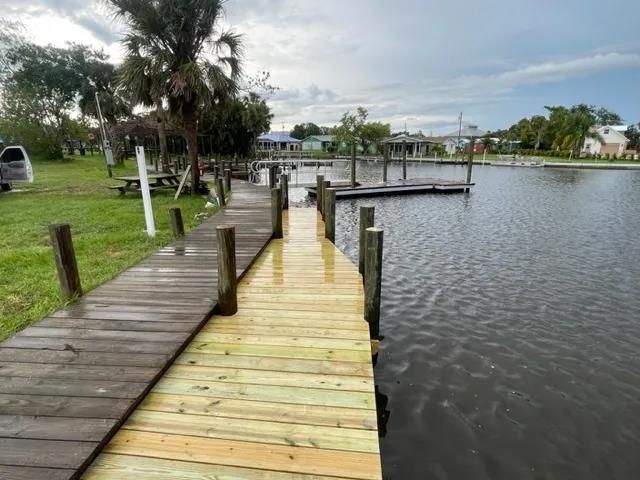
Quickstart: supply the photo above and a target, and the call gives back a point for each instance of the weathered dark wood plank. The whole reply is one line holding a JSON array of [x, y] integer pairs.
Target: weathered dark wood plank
[[69, 381], [55, 428]]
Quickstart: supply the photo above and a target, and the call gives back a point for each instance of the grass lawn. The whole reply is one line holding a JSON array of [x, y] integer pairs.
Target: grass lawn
[[108, 233], [494, 156]]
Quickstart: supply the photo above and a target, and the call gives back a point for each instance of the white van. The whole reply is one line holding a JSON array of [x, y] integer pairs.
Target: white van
[[15, 166]]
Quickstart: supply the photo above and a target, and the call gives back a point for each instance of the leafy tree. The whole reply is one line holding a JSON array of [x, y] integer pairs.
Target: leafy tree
[[304, 130], [372, 133], [607, 117], [633, 134], [185, 39], [349, 130]]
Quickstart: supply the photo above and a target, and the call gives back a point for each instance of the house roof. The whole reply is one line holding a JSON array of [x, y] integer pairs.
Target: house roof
[[320, 138], [407, 138], [468, 131], [277, 137], [615, 129]]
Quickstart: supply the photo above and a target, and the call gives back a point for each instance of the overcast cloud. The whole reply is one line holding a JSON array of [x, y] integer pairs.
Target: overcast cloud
[[409, 61]]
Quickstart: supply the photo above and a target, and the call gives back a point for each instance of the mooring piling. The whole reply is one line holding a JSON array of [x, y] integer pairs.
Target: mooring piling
[[330, 214], [353, 165], [284, 185], [373, 280], [227, 279], [385, 163], [367, 215], [276, 212], [319, 182], [66, 263], [325, 184], [404, 159]]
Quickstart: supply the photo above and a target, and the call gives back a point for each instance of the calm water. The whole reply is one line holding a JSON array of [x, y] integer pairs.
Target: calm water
[[512, 325]]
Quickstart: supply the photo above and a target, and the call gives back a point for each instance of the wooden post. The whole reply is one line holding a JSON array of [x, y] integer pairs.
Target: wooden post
[[284, 185], [373, 280], [472, 143], [366, 221], [325, 184], [220, 191], [353, 165], [385, 163], [319, 182], [66, 263], [227, 180], [177, 226], [330, 214], [227, 279], [404, 159], [276, 212]]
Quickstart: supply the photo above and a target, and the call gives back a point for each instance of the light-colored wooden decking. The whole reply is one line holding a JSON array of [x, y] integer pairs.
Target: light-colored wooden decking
[[284, 389]]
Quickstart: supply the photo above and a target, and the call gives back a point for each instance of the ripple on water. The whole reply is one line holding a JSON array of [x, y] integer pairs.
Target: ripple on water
[[511, 323]]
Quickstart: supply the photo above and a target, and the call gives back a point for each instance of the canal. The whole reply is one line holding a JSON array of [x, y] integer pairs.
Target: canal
[[511, 319]]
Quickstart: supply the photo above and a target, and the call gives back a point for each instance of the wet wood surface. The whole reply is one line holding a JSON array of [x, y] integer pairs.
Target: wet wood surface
[[69, 381], [283, 389]]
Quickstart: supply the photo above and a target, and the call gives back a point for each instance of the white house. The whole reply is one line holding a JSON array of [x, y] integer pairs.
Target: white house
[[615, 143]]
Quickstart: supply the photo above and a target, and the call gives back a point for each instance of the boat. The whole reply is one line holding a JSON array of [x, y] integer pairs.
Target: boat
[[518, 161]]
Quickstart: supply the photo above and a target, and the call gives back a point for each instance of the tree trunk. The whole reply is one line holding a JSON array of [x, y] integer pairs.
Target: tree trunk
[[191, 134], [162, 136]]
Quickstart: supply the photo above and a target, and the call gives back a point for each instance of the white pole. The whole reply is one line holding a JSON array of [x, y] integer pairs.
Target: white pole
[[146, 194]]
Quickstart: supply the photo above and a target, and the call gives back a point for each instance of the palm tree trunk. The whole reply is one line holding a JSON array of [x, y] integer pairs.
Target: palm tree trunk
[[162, 136], [191, 134]]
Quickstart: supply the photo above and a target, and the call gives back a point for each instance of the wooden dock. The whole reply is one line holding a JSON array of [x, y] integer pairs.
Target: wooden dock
[[284, 389], [68, 381], [398, 187]]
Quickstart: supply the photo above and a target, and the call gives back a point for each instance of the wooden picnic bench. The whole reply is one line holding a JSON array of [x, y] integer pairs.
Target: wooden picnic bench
[[157, 181]]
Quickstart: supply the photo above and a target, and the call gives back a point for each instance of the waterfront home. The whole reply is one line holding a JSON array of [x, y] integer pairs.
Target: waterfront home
[[277, 141], [457, 141], [418, 146], [612, 141], [319, 143]]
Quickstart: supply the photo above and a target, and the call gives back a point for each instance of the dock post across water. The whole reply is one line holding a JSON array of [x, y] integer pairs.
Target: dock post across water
[[283, 389]]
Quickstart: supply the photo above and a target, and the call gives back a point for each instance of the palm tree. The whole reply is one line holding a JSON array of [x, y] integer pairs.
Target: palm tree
[[146, 82], [578, 125], [184, 41]]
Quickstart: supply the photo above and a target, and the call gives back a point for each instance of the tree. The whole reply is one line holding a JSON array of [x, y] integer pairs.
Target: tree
[[372, 133], [184, 38], [304, 130], [633, 134], [350, 127], [607, 117]]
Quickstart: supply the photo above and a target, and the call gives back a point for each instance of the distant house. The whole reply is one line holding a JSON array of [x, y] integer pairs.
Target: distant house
[[458, 140], [417, 145], [277, 141], [614, 141], [318, 143]]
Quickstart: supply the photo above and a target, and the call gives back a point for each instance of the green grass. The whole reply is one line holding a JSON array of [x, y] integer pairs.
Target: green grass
[[493, 156], [108, 233]]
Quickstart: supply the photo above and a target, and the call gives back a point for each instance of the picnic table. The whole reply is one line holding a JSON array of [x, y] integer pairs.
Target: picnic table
[[157, 181]]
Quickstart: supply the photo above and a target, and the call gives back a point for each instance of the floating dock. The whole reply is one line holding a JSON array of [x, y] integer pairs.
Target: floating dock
[[398, 187]]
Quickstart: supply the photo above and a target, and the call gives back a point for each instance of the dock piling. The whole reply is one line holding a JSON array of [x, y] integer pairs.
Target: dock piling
[[66, 263], [325, 184], [276, 212], [227, 180], [367, 215], [472, 143], [404, 160], [177, 226], [220, 191], [227, 279], [373, 280], [385, 163], [284, 184], [319, 181], [330, 214], [353, 165]]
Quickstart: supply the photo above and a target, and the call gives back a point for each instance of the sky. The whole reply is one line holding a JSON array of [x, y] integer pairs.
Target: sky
[[417, 63]]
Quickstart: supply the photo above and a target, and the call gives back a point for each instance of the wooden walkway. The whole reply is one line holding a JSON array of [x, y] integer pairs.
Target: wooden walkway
[[398, 187], [68, 381], [283, 390]]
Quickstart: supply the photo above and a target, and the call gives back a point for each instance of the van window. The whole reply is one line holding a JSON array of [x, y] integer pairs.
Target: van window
[[12, 155]]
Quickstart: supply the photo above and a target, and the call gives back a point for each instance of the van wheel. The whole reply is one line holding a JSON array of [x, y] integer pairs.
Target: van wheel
[[5, 187]]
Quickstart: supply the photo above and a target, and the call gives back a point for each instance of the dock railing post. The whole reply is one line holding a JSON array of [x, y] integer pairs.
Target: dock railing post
[[330, 214], [177, 226], [66, 263], [220, 191], [284, 185], [385, 163], [227, 180], [367, 215], [373, 280], [325, 184], [276, 212], [227, 278], [319, 180]]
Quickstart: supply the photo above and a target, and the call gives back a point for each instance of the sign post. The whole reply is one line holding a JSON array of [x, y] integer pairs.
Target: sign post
[[146, 194]]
